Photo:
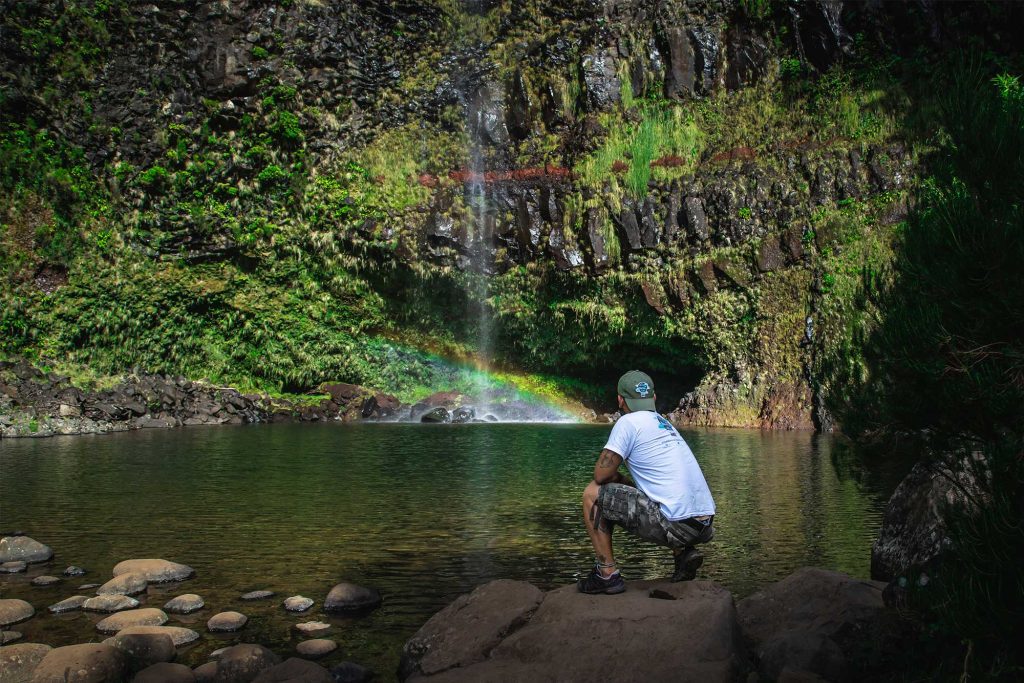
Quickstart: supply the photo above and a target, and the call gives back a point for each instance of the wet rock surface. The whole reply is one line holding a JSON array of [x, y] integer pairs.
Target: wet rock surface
[[71, 604], [179, 635], [19, 661], [226, 622], [23, 549], [155, 570], [13, 611], [348, 597], [297, 603], [316, 648], [88, 663], [184, 604], [109, 603], [125, 584], [145, 616]]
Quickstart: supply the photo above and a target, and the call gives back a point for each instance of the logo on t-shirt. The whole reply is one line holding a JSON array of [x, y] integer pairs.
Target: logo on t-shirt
[[665, 424]]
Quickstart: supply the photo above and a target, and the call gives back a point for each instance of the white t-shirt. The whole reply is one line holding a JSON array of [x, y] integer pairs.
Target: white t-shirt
[[661, 464]]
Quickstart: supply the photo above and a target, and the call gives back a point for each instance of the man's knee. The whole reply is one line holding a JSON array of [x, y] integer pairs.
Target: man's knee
[[591, 492]]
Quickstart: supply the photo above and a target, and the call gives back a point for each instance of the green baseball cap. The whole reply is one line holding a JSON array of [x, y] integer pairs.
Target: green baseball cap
[[638, 390]]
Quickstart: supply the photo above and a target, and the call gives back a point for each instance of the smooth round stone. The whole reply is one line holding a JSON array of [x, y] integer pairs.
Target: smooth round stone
[[45, 580], [87, 663], [109, 603], [15, 548], [146, 616], [74, 571], [17, 662], [348, 597], [124, 584], [13, 611], [9, 637], [244, 662], [184, 604], [316, 648], [205, 673], [144, 649], [15, 567], [295, 669], [258, 595], [68, 604], [297, 603], [179, 634], [350, 672], [226, 622], [309, 627], [165, 672], [155, 571]]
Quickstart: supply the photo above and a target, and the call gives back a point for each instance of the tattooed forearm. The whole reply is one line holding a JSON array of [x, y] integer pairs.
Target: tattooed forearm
[[606, 459]]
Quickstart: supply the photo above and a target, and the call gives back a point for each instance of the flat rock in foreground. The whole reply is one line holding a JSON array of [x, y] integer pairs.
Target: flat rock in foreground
[[155, 570], [17, 662], [509, 630], [88, 663]]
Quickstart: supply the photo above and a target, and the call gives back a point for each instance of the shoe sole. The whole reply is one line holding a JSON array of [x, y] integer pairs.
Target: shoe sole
[[688, 572]]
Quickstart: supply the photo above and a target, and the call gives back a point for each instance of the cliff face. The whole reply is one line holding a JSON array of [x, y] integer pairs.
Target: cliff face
[[274, 193]]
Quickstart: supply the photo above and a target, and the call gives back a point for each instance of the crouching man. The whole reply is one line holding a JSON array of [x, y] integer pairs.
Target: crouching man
[[670, 503]]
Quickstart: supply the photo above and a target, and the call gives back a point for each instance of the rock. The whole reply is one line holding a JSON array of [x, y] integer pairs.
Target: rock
[[217, 653], [316, 648], [17, 662], [257, 595], [679, 72], [226, 622], [15, 567], [10, 636], [88, 586], [87, 663], [144, 649], [179, 634], [184, 604], [68, 604], [308, 627], [813, 620], [125, 584], [23, 548], [601, 79], [45, 580], [696, 220], [770, 256], [350, 672], [155, 571], [74, 571], [297, 603], [242, 663], [437, 415], [348, 597], [295, 670], [205, 673], [109, 603], [14, 611], [146, 616], [508, 630], [165, 672]]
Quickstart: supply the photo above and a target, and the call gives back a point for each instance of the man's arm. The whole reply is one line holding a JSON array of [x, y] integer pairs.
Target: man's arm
[[606, 471]]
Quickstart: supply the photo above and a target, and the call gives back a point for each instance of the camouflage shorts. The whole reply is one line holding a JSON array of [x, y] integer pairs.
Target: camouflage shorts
[[639, 515]]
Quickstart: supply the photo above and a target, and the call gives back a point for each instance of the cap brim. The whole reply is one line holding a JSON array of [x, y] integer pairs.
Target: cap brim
[[636, 404]]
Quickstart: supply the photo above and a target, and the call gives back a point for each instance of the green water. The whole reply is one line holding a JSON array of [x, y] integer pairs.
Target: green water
[[423, 513]]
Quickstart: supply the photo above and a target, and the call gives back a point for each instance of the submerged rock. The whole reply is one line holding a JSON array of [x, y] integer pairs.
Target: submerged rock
[[74, 571], [257, 595], [45, 580], [9, 637], [348, 597], [15, 567], [316, 648], [309, 627], [23, 548]]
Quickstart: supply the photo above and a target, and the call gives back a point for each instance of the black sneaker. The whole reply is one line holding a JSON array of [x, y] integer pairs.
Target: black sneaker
[[595, 584], [687, 564]]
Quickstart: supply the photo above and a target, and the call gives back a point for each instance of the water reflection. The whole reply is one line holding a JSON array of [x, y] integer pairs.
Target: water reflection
[[422, 512]]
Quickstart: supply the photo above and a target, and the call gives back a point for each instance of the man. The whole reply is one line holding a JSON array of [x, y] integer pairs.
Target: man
[[670, 504]]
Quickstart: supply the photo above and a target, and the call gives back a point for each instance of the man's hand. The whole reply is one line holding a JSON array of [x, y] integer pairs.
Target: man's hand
[[606, 471]]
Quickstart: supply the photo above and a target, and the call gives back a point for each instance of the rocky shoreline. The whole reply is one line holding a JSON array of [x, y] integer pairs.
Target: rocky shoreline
[[34, 403]]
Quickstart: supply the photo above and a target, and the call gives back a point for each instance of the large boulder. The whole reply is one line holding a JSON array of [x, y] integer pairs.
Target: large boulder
[[13, 611], [243, 663], [144, 649], [87, 663], [17, 662], [146, 616], [348, 597], [295, 670], [816, 621], [572, 636], [155, 571], [24, 549]]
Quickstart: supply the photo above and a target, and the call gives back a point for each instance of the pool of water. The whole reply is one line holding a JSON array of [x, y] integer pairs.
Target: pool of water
[[421, 512]]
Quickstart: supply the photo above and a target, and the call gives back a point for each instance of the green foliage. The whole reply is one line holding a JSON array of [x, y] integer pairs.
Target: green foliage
[[745, 213], [259, 53], [272, 175], [153, 177]]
